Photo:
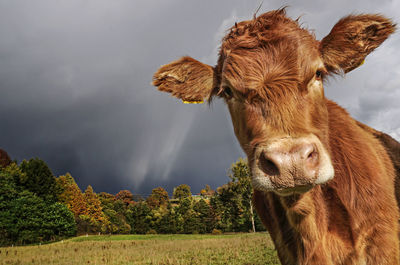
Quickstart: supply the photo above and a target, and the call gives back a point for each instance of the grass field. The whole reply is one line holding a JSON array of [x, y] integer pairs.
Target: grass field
[[149, 249]]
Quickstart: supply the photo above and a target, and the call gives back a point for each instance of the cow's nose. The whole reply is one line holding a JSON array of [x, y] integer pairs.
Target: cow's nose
[[301, 160]]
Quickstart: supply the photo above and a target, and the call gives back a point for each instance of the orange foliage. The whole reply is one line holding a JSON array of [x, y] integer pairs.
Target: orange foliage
[[72, 195], [93, 204]]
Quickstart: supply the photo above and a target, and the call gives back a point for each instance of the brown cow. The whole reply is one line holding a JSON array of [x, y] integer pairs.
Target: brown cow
[[323, 183]]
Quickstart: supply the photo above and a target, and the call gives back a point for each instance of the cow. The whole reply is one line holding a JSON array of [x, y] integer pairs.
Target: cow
[[324, 184]]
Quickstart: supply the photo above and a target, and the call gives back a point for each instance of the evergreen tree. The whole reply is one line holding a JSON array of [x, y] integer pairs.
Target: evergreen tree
[[192, 223], [168, 222], [26, 218], [139, 217], [39, 179], [8, 193], [185, 205], [203, 210]]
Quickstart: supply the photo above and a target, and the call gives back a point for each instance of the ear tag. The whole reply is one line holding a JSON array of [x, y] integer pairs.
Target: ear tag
[[363, 61], [192, 102]]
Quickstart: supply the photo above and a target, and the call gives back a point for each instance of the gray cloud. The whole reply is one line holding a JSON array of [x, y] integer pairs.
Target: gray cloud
[[75, 86]]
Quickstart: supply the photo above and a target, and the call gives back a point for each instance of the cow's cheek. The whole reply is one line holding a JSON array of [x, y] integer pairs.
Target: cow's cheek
[[238, 116]]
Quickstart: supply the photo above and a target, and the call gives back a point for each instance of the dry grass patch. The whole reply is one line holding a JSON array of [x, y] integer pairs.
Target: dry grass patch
[[154, 249]]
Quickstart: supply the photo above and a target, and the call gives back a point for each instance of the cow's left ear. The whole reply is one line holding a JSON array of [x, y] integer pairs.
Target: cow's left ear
[[187, 79], [352, 39]]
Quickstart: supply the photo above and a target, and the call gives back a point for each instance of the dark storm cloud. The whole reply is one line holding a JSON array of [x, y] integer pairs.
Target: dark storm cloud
[[75, 87]]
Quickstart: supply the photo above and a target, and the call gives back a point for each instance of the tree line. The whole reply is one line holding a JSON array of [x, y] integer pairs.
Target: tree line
[[36, 206]]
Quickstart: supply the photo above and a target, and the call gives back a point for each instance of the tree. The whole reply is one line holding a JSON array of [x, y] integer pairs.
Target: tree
[[39, 179], [204, 213], [93, 204], [8, 193], [159, 197], [94, 220], [232, 202], [5, 159], [106, 199], [71, 195], [169, 223], [139, 217], [118, 224], [126, 196], [240, 174], [26, 218], [59, 221], [182, 191], [116, 212], [192, 223], [207, 191]]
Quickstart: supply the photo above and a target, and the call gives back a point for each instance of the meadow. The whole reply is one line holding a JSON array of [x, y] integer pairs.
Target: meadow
[[240, 248]]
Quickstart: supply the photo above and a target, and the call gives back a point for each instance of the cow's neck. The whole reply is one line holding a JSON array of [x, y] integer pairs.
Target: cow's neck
[[294, 223], [301, 226], [306, 215]]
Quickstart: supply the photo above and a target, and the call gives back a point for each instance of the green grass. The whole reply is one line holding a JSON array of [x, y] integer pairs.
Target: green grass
[[246, 248]]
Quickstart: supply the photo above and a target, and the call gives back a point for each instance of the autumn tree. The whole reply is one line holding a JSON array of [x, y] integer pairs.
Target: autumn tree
[[182, 191], [5, 159], [71, 195], [95, 220], [106, 199], [125, 196], [207, 191], [115, 211], [93, 205], [159, 196]]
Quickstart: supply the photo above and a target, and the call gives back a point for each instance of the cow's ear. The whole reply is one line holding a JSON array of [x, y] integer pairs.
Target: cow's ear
[[352, 39], [187, 79]]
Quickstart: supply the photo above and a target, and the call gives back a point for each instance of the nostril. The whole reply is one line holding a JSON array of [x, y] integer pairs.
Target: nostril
[[267, 166], [312, 158]]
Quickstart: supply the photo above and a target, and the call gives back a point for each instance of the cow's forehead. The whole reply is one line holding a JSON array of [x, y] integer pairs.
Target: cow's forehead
[[284, 63], [267, 48], [268, 28]]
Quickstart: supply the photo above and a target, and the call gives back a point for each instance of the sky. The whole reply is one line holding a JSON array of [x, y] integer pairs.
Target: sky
[[75, 86]]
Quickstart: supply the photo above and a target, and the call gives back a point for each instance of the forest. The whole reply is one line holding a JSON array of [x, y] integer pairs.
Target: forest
[[38, 207]]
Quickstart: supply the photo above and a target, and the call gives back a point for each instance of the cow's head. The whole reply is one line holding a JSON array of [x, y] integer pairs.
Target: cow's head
[[270, 73]]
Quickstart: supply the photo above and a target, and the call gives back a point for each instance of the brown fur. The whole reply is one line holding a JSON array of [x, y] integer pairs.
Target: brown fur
[[393, 149], [352, 39], [185, 78], [269, 74]]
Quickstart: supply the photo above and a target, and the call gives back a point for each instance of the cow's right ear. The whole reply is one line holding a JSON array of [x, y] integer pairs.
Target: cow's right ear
[[186, 79]]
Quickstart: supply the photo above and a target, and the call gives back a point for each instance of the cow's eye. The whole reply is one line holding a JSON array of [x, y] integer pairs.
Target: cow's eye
[[318, 74], [227, 92]]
